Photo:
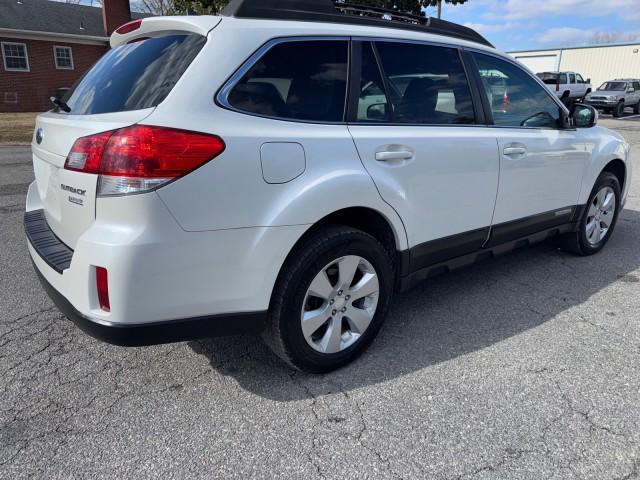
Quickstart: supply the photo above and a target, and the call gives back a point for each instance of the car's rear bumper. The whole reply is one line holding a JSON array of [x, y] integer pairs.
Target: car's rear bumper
[[164, 284], [137, 335]]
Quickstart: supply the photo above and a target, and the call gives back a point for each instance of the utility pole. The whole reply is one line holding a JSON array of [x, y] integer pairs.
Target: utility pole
[[439, 8]]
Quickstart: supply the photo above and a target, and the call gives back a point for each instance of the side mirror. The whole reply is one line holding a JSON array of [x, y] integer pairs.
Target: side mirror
[[583, 116], [588, 80]]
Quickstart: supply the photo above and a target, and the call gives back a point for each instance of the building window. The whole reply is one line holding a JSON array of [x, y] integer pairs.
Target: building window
[[11, 97], [63, 57], [15, 57]]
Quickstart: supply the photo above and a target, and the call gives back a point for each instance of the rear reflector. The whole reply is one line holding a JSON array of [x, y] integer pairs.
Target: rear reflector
[[102, 287], [141, 158], [129, 27]]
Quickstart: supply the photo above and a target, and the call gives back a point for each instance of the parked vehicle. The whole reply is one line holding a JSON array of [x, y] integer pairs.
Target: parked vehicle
[[259, 172], [616, 95], [568, 85]]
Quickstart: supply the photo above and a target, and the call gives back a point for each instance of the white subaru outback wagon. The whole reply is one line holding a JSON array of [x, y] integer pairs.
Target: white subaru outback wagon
[[285, 167]]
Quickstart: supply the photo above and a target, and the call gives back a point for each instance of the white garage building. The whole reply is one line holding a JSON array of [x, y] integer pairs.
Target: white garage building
[[599, 63]]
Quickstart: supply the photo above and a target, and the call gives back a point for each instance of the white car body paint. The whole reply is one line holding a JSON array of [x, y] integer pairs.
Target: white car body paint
[[214, 241]]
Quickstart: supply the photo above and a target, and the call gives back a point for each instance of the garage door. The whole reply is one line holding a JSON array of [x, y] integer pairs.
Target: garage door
[[541, 63]]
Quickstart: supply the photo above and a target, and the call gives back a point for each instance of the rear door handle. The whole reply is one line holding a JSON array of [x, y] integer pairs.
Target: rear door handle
[[514, 151], [394, 153]]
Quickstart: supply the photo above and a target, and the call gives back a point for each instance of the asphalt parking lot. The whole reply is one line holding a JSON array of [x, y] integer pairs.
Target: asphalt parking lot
[[523, 367]]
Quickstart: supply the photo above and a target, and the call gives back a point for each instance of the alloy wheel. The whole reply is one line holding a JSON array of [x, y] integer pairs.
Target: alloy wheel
[[340, 304], [600, 216]]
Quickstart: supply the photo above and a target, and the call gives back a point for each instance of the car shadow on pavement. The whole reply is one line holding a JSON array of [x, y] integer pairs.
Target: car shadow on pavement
[[448, 317]]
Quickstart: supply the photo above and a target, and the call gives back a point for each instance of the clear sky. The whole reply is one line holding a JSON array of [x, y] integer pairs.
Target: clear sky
[[533, 24]]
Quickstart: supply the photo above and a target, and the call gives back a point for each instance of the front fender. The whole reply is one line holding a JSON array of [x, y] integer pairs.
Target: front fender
[[605, 146]]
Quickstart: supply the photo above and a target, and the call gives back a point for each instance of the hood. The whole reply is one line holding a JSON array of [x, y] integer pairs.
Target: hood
[[605, 93]]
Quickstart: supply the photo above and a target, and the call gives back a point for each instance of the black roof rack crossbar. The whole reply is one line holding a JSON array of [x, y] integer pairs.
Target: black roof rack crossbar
[[328, 11], [383, 13]]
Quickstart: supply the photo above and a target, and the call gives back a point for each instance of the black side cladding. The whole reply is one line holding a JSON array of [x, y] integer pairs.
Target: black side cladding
[[328, 11], [49, 247]]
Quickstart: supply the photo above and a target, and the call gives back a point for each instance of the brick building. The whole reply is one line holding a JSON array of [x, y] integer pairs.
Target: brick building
[[46, 46]]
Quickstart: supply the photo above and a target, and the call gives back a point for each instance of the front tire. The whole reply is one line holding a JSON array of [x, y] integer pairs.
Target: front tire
[[598, 219], [330, 299], [618, 111], [636, 108]]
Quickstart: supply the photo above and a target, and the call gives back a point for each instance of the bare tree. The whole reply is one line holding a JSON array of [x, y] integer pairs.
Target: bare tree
[[438, 3], [158, 7], [604, 38], [212, 7], [410, 6]]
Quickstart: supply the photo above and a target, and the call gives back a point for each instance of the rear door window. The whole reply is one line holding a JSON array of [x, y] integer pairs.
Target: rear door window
[[296, 80], [427, 84], [134, 76]]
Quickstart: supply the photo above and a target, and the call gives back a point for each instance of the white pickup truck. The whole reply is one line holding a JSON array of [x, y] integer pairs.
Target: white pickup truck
[[568, 86]]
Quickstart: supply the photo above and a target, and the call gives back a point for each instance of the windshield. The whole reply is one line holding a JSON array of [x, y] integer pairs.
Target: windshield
[[613, 86], [134, 76]]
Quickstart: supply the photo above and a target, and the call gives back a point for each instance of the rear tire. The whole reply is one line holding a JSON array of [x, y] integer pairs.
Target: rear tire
[[601, 213], [312, 299], [618, 111]]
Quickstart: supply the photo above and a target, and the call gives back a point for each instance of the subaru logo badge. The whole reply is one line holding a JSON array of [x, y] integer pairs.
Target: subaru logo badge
[[39, 135]]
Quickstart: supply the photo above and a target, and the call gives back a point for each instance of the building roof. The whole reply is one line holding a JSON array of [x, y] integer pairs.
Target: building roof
[[603, 45], [53, 17]]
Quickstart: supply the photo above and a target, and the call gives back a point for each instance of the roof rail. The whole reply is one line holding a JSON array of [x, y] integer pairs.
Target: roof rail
[[329, 11], [383, 13]]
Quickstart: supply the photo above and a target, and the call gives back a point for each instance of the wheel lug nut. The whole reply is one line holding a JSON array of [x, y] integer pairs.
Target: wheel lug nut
[[332, 302], [334, 312], [347, 297], [339, 292], [344, 309]]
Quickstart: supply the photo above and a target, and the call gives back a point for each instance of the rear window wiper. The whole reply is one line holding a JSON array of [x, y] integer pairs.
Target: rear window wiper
[[60, 104]]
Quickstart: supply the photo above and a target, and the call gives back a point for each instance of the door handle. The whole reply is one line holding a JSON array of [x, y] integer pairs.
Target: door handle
[[390, 154], [514, 151]]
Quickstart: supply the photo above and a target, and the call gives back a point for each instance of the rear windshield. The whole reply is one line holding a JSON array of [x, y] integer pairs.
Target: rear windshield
[[553, 78], [134, 76]]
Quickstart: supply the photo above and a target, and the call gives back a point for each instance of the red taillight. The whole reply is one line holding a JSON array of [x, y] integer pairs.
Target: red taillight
[[157, 152], [143, 153], [558, 87], [102, 286], [129, 27], [86, 153]]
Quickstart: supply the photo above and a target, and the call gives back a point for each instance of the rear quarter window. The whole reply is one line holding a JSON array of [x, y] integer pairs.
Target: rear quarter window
[[134, 76]]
